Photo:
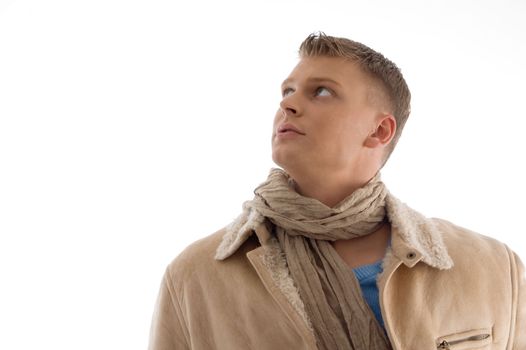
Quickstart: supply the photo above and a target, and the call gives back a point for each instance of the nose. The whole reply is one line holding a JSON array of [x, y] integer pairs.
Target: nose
[[289, 106]]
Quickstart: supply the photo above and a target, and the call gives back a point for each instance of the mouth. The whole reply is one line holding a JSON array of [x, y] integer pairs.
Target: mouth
[[289, 128]]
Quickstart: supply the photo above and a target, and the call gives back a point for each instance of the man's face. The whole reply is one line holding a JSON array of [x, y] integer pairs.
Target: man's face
[[325, 100]]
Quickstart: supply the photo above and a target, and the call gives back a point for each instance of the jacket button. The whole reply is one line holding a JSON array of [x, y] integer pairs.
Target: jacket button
[[411, 255]]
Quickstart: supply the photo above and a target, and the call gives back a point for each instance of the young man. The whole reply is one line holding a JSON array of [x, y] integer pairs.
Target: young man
[[324, 257]]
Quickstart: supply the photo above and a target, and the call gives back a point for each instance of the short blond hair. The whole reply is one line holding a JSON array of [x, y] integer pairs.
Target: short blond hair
[[393, 89]]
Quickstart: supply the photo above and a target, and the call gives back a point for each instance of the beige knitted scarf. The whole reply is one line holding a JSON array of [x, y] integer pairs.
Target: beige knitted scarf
[[340, 317]]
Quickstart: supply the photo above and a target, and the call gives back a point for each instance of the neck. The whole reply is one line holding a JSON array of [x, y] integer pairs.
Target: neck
[[330, 189]]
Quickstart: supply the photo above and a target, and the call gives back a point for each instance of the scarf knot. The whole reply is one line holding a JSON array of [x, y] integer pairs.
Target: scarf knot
[[359, 214]]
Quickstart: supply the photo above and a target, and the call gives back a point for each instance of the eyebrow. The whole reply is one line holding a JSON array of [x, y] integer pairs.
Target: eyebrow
[[313, 79]]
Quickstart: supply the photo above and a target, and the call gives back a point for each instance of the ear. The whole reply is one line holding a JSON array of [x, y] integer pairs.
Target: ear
[[383, 133]]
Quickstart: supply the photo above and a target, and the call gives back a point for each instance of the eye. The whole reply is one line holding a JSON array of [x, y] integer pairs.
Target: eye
[[322, 91], [286, 92]]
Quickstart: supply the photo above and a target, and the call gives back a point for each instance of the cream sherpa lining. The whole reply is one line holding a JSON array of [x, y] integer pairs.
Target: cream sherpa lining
[[419, 233], [237, 233], [414, 229]]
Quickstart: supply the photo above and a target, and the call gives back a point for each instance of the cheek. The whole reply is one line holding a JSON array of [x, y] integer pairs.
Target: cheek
[[341, 135], [336, 126]]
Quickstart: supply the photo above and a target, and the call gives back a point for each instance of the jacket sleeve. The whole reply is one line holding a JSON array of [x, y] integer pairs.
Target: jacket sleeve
[[168, 330], [519, 298]]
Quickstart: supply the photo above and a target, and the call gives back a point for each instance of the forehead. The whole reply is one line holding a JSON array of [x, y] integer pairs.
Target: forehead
[[341, 70]]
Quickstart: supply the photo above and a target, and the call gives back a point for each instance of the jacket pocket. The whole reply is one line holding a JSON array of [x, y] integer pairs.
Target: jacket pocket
[[474, 339]]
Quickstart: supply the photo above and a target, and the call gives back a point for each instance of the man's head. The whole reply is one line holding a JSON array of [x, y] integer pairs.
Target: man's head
[[388, 87], [347, 101]]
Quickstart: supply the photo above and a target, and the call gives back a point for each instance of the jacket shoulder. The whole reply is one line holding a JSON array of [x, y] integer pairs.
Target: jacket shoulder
[[195, 256], [197, 259], [460, 238], [197, 251], [472, 251]]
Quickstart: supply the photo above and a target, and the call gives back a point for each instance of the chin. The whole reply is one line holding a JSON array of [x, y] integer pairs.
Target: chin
[[282, 160], [277, 159], [286, 162]]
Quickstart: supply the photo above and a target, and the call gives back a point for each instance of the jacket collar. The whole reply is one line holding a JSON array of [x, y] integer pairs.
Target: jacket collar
[[414, 237]]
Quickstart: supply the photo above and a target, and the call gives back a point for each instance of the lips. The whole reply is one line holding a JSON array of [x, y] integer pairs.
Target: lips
[[287, 127]]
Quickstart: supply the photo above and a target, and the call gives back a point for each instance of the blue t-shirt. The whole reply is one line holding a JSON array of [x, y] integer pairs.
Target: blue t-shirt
[[366, 275]]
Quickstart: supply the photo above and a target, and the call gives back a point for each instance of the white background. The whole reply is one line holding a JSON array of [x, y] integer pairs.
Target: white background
[[129, 129]]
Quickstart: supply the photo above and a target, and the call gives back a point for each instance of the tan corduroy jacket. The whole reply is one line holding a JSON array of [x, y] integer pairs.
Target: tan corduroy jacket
[[443, 287]]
